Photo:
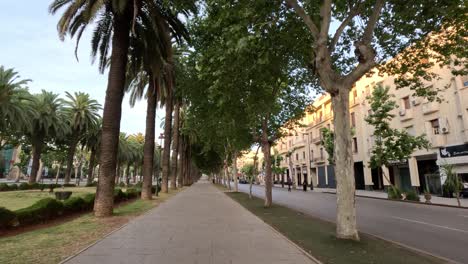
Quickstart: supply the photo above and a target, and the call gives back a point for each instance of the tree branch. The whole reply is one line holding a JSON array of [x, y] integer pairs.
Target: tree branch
[[374, 17], [352, 13], [302, 14], [325, 14]]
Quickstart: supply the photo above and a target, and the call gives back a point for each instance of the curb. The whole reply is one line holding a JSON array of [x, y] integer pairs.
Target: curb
[[303, 251], [108, 234], [418, 251], [401, 201]]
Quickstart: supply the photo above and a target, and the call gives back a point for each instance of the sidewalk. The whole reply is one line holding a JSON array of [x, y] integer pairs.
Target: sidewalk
[[199, 225], [383, 195]]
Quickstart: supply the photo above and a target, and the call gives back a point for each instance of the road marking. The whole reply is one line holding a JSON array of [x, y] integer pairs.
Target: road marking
[[429, 224]]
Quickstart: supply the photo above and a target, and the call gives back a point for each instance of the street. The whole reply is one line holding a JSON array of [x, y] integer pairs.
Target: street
[[441, 231]]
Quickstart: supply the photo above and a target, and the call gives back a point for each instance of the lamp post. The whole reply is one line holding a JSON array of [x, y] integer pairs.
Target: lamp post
[[161, 137]]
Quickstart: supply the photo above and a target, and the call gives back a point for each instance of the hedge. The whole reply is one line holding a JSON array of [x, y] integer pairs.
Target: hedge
[[34, 186], [48, 208]]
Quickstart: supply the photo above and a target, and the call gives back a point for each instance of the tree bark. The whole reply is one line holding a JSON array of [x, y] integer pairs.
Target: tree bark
[[234, 171], [346, 227], [92, 160], [37, 151], [70, 155], [226, 172], [180, 171], [148, 152], [267, 158], [167, 143], [58, 173], [103, 205], [175, 145]]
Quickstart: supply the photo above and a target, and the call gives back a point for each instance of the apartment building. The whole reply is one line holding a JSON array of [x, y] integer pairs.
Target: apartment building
[[445, 124]]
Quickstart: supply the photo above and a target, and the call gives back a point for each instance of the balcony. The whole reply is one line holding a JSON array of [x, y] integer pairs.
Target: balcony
[[438, 141], [316, 140], [405, 114], [318, 160], [430, 107]]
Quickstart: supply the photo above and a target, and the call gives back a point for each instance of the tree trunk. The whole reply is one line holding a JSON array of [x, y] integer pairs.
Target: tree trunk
[[70, 155], [175, 145], [58, 173], [167, 143], [112, 114], [346, 227], [234, 171], [37, 151], [267, 158], [92, 159], [226, 172], [180, 173], [127, 175], [148, 152]]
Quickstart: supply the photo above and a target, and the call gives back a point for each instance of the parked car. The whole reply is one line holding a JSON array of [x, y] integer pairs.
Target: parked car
[[464, 191], [243, 181]]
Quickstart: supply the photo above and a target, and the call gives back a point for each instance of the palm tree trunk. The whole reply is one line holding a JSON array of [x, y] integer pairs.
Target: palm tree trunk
[[175, 145], [70, 155], [112, 114], [127, 175], [92, 160], [37, 150], [148, 149], [180, 173], [167, 142]]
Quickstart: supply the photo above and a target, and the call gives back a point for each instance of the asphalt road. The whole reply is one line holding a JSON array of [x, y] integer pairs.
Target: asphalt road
[[441, 231]]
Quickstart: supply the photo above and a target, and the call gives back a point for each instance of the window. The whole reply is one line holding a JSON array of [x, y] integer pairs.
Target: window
[[312, 154], [435, 126], [406, 102], [321, 153], [297, 156], [320, 116], [355, 147], [303, 154], [328, 126], [354, 96], [367, 90], [353, 120], [290, 143]]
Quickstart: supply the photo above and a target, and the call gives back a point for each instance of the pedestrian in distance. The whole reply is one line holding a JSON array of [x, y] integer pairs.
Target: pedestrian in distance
[[289, 184], [282, 183], [304, 185]]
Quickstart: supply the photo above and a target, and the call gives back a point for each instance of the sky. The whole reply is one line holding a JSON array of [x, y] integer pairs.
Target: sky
[[29, 43]]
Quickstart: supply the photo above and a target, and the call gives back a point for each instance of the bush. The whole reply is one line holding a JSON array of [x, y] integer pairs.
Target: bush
[[88, 201], [69, 185], [4, 187], [34, 186], [138, 185], [42, 187], [412, 196], [132, 193], [153, 189], [121, 184], [394, 193], [93, 184], [40, 211], [23, 186], [7, 218], [119, 195], [74, 204], [13, 187]]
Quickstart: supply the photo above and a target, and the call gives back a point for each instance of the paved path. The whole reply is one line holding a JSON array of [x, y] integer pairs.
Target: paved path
[[442, 231], [199, 225]]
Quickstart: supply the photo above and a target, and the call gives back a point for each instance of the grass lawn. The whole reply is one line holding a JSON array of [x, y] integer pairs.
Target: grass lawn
[[14, 200], [318, 237], [54, 244]]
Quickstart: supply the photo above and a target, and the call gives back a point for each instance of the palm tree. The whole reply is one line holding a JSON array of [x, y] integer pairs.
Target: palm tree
[[47, 125], [115, 21], [82, 115], [91, 141], [15, 107]]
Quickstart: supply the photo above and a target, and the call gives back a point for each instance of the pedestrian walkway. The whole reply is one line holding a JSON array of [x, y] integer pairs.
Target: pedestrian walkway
[[199, 225], [383, 195]]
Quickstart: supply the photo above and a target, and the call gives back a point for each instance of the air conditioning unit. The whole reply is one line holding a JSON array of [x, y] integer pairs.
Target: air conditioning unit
[[415, 101], [402, 112], [444, 125]]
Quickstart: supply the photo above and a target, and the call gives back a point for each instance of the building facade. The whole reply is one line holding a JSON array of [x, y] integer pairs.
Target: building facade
[[444, 123]]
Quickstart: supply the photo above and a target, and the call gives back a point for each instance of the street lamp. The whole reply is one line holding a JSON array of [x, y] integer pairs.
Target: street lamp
[[161, 137]]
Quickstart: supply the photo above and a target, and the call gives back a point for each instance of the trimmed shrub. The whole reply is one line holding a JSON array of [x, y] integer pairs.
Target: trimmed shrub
[[412, 196], [153, 189], [7, 218], [74, 204], [40, 211], [119, 195], [69, 185], [132, 193], [88, 201], [138, 185], [23, 186], [121, 184], [93, 184], [4, 187], [13, 187], [34, 186], [394, 193], [42, 187]]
